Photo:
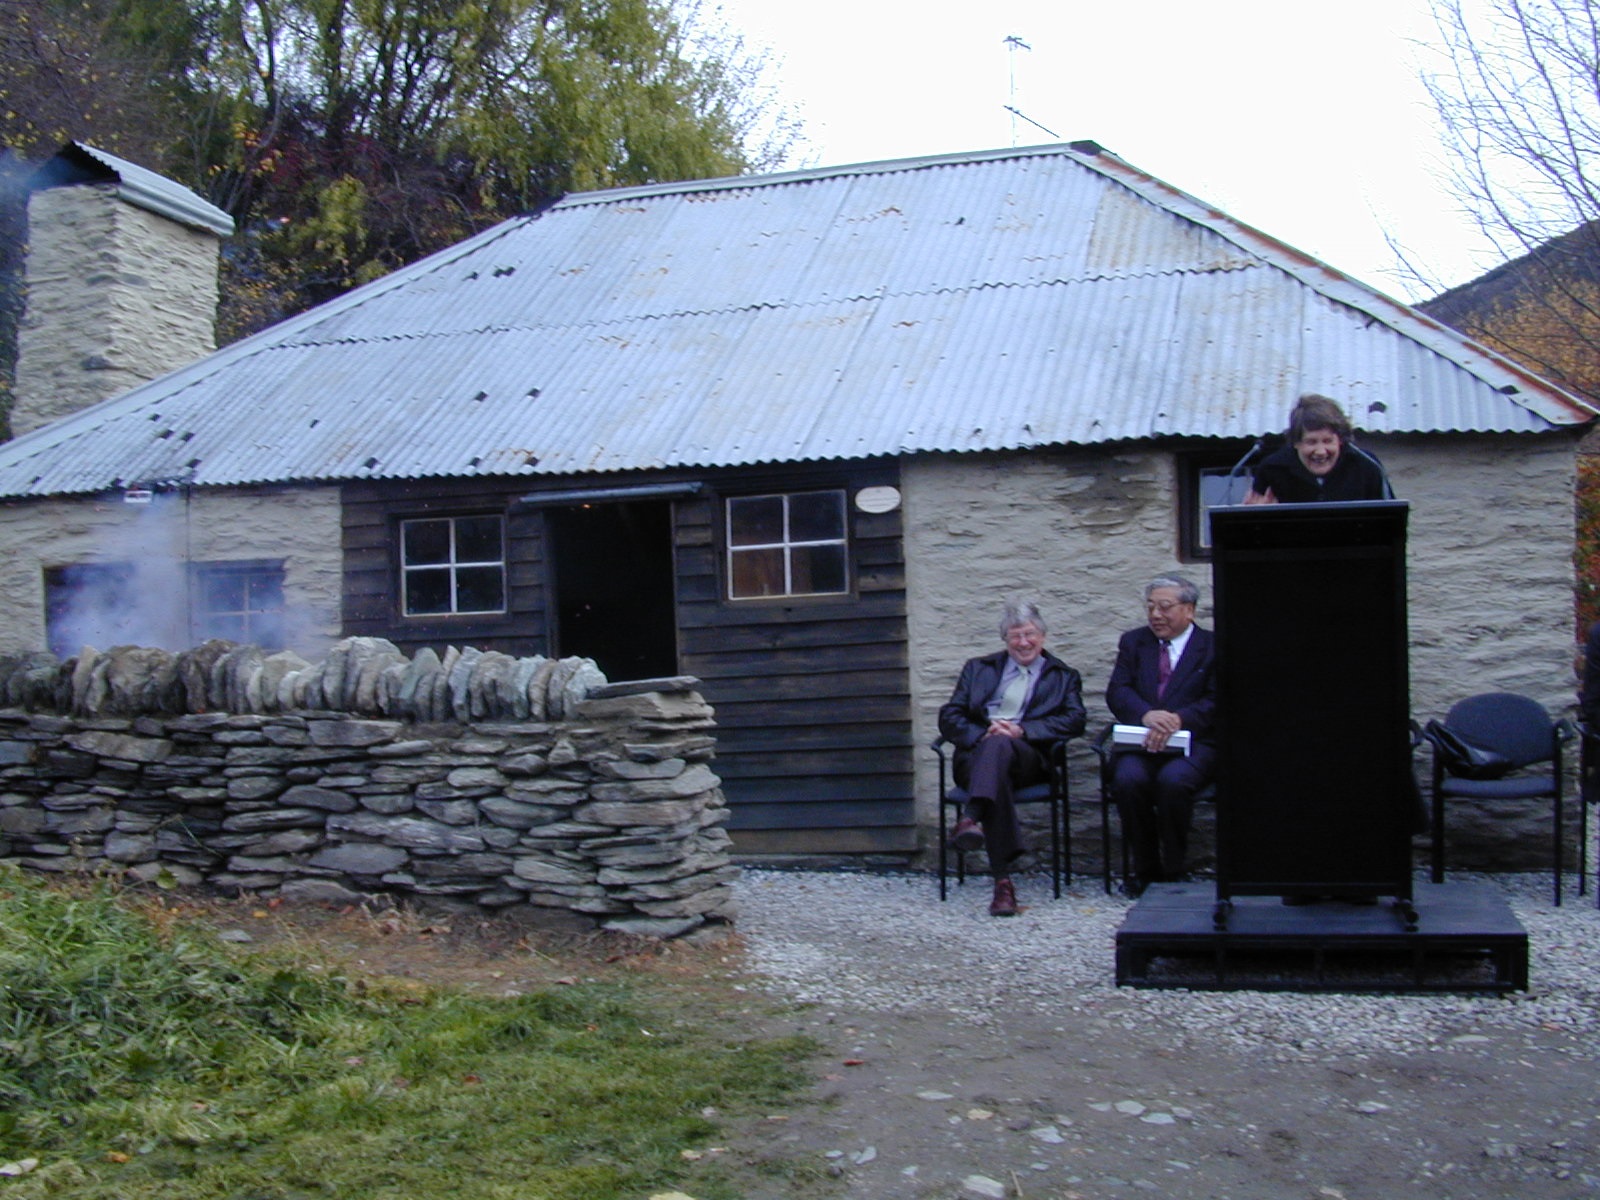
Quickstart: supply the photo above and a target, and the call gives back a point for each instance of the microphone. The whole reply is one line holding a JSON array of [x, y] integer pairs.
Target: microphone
[[1388, 491], [1238, 467]]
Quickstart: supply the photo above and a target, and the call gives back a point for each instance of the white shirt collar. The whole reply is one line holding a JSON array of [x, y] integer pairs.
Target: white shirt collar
[[1178, 643]]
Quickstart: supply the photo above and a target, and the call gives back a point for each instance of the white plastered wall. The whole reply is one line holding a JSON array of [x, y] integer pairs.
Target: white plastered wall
[[300, 526]]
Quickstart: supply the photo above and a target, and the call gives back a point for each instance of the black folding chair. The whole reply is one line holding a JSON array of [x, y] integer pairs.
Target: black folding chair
[[1483, 749], [1052, 791], [1105, 753], [1588, 794]]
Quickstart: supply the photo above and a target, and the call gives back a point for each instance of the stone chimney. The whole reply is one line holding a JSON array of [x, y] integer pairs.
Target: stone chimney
[[121, 279]]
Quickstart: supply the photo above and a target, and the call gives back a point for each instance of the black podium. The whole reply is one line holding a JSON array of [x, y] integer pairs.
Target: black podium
[[1315, 800], [1314, 774]]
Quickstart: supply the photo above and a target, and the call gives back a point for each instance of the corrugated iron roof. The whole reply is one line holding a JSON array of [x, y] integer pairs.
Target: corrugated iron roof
[[1000, 300]]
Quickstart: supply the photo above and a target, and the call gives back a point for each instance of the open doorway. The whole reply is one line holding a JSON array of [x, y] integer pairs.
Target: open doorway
[[613, 586]]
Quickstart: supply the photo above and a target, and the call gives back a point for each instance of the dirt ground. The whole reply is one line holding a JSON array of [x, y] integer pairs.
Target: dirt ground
[[912, 1104]]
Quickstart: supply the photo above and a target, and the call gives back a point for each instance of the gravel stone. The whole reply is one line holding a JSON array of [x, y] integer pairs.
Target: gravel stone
[[884, 942]]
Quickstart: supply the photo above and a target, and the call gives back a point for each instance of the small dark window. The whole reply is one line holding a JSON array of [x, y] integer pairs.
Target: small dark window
[[787, 545], [451, 565], [1207, 479], [242, 602], [93, 604]]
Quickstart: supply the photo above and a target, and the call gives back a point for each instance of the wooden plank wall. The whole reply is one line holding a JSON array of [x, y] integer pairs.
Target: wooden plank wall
[[812, 694], [371, 591]]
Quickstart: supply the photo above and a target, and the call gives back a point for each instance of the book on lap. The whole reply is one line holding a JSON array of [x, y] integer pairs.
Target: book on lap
[[1131, 737]]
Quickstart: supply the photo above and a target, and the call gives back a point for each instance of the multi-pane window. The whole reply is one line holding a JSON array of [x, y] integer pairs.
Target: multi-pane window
[[239, 601], [787, 545], [452, 565], [142, 604]]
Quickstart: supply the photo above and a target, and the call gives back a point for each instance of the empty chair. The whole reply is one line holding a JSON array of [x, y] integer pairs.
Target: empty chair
[[1485, 749]]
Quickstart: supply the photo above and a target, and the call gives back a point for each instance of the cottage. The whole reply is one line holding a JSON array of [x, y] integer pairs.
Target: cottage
[[793, 435]]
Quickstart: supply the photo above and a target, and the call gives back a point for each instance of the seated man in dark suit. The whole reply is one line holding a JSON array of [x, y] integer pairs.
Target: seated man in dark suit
[[1164, 679], [1006, 710]]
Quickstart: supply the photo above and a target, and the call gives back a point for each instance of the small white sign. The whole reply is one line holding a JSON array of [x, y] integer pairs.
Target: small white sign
[[878, 499]]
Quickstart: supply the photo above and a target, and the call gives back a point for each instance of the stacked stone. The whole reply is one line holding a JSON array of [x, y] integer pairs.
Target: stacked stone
[[652, 822], [367, 676], [611, 818]]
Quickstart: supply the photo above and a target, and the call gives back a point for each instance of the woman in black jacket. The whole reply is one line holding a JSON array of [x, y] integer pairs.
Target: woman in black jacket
[[1320, 464]]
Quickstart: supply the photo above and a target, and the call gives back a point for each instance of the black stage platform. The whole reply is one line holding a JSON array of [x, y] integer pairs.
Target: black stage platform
[[1467, 940]]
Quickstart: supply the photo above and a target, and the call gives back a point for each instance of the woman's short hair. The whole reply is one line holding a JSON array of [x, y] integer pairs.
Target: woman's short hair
[[1188, 591], [1020, 612], [1313, 412]]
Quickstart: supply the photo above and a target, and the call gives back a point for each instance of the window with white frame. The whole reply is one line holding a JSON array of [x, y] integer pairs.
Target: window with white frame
[[452, 565], [787, 545]]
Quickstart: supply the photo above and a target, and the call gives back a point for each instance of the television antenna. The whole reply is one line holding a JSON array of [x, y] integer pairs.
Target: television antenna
[[1013, 43]]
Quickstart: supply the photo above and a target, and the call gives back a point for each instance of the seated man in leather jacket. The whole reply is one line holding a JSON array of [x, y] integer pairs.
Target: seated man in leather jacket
[[1006, 711]]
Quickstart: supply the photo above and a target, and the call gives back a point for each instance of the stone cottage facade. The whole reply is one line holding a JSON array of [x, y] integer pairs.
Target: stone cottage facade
[[796, 436]]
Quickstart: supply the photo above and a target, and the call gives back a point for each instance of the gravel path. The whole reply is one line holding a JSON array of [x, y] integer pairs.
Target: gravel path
[[985, 1057], [885, 942]]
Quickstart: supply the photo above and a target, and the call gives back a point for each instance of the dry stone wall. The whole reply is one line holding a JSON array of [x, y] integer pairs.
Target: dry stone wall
[[474, 781]]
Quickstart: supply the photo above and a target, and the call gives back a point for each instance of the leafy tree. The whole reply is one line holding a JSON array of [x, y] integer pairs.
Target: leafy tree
[[358, 135]]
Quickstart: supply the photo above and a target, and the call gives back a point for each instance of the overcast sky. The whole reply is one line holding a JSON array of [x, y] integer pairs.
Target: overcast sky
[[1307, 120]]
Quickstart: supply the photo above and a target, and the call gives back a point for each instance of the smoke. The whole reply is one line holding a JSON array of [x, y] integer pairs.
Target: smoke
[[141, 587]]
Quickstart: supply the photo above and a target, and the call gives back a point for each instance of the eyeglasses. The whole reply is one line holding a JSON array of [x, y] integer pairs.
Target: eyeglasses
[[1163, 606], [1025, 633]]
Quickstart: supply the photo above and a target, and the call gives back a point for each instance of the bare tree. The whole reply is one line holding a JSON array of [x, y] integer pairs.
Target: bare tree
[[1518, 97]]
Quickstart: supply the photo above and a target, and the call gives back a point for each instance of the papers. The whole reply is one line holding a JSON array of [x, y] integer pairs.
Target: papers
[[1132, 737]]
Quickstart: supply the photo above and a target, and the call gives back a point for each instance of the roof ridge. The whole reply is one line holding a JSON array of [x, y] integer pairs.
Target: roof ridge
[[884, 166]]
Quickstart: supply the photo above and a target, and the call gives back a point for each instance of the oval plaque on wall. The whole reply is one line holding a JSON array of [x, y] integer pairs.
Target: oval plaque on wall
[[878, 499]]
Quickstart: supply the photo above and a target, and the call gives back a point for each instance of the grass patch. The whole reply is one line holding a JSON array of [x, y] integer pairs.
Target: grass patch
[[140, 1057]]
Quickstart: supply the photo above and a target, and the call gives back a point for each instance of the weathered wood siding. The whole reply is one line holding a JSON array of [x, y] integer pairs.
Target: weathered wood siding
[[372, 514], [812, 693]]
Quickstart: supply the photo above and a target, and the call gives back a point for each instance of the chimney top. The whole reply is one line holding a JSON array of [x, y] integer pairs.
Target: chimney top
[[78, 163]]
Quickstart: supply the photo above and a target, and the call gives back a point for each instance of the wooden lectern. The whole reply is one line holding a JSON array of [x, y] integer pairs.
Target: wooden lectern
[[1315, 792]]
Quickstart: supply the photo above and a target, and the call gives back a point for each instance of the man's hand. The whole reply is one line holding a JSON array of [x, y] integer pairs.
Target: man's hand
[[1008, 729], [1162, 725]]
